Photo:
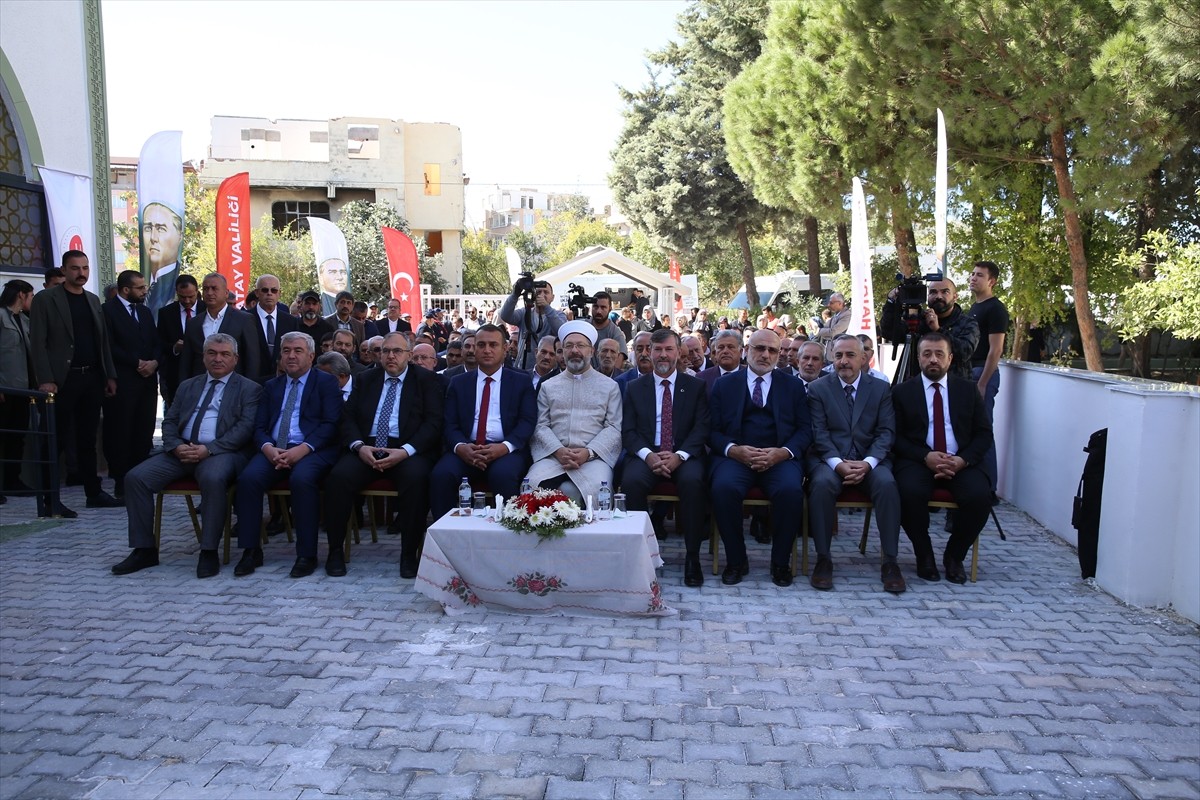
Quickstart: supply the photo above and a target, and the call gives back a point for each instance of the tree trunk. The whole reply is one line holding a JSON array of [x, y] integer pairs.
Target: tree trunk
[[814, 255], [900, 229], [1146, 213], [1020, 338], [1079, 267], [843, 239], [752, 298]]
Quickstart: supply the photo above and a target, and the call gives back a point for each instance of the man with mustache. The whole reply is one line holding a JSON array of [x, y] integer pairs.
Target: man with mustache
[[942, 313]]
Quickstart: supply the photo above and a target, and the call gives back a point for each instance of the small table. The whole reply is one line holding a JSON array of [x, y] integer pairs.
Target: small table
[[603, 567]]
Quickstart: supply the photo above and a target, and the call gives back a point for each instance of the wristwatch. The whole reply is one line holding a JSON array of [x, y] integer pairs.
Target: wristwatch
[[356, 446]]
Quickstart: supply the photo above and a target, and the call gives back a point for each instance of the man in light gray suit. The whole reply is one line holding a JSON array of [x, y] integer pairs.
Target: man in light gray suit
[[206, 434], [854, 427]]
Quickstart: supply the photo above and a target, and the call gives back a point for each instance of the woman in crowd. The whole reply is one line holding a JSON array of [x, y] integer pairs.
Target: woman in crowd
[[15, 372]]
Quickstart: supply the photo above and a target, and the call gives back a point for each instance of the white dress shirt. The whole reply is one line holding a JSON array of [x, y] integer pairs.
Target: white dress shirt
[[951, 442]]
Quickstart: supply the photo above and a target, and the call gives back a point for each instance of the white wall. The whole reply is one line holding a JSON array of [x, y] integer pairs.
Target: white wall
[[1149, 546]]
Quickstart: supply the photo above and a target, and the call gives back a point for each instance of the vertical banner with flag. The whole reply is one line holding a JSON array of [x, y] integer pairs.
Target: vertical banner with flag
[[160, 214], [405, 276], [673, 266], [333, 261], [233, 233], [72, 223], [940, 197], [862, 297]]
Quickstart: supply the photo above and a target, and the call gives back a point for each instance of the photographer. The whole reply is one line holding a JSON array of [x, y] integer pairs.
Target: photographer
[[537, 319], [942, 313]]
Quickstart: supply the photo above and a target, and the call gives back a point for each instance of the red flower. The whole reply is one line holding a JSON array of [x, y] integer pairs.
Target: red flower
[[537, 586]]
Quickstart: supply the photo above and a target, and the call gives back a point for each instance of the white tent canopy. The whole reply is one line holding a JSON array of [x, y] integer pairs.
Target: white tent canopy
[[605, 259]]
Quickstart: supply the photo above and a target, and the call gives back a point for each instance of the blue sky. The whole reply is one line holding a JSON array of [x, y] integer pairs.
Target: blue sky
[[532, 85]]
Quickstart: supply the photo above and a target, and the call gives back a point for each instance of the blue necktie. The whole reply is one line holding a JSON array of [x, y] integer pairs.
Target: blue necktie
[[383, 424], [285, 419]]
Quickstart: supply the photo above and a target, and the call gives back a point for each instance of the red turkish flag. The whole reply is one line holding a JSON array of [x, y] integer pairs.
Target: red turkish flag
[[233, 233], [674, 274], [406, 278]]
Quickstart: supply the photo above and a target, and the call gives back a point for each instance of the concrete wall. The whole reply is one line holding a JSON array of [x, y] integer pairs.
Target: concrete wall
[[1149, 547]]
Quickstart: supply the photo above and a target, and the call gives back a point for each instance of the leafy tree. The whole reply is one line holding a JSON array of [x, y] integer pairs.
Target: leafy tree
[[671, 174], [583, 234], [1169, 302], [530, 248], [575, 206], [485, 269], [362, 222]]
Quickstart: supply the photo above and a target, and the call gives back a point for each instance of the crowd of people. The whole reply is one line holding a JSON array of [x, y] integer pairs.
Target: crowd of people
[[265, 395]]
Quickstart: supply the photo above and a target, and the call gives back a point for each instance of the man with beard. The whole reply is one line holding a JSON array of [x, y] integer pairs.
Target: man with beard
[[943, 314], [759, 433], [533, 322], [172, 320], [129, 416], [727, 353], [578, 436], [605, 327], [547, 362], [642, 363], [664, 430], [943, 435], [311, 321]]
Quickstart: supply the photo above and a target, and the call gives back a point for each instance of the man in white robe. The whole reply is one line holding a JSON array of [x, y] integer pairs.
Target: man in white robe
[[578, 437]]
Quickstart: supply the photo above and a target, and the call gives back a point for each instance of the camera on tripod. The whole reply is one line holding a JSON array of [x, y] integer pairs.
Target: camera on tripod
[[527, 287], [578, 300]]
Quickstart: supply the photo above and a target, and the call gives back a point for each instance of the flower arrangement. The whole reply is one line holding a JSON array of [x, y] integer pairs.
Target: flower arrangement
[[546, 512]]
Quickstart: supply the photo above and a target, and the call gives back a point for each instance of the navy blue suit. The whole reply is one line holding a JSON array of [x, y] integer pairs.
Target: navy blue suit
[[518, 416], [627, 377], [320, 409], [732, 422]]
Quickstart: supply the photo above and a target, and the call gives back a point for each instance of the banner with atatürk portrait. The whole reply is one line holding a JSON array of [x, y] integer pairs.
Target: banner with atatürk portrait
[[333, 261], [160, 214]]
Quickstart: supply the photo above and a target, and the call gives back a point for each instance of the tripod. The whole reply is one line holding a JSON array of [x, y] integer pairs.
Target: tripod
[[905, 367]]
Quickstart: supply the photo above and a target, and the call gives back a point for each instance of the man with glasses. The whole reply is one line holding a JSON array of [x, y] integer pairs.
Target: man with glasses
[[391, 429], [394, 322], [273, 323], [760, 430]]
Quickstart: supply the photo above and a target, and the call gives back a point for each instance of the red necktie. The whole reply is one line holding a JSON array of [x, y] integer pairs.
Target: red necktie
[[939, 420], [667, 434], [188, 311], [484, 401]]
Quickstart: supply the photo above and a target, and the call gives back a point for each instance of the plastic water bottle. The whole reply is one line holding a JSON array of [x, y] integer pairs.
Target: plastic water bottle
[[465, 498], [526, 486], [604, 501]]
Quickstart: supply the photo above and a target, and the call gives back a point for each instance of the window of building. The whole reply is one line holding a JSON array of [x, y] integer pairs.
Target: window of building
[[286, 214], [24, 224], [362, 141], [433, 242], [433, 180]]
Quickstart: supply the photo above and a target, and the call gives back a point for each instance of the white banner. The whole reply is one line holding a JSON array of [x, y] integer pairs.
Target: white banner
[[160, 214], [72, 218], [333, 261], [862, 298]]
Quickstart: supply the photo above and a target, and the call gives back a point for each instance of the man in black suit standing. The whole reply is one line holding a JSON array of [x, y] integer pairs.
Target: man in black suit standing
[[854, 428], [218, 317], [942, 436], [272, 321], [391, 428], [129, 416], [393, 322], [490, 415], [172, 320], [760, 430], [664, 429], [295, 432], [206, 434]]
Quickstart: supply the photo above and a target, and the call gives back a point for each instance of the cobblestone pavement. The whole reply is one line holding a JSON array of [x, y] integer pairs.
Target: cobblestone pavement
[[1029, 683]]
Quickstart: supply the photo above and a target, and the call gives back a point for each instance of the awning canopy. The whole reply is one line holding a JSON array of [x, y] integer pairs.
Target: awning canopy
[[607, 260]]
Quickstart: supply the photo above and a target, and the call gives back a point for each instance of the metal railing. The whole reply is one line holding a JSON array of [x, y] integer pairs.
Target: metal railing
[[43, 456]]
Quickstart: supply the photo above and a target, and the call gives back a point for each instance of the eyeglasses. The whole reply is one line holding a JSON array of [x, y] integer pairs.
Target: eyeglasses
[[762, 348], [392, 351], [269, 289], [379, 350]]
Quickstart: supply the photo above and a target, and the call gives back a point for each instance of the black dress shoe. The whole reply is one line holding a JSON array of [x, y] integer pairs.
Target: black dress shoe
[[408, 566], [822, 574], [208, 565], [781, 576], [251, 558], [303, 568], [104, 500], [733, 574], [59, 511], [335, 565], [927, 568], [693, 575], [954, 570], [139, 559], [893, 580]]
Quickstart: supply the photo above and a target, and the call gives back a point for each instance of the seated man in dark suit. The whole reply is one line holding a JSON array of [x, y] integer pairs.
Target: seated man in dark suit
[[642, 365], [759, 433], [490, 415], [206, 434], [854, 428], [942, 436], [391, 428], [295, 432], [664, 429], [727, 355]]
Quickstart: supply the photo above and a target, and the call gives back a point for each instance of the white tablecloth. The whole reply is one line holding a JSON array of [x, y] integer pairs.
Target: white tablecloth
[[604, 568]]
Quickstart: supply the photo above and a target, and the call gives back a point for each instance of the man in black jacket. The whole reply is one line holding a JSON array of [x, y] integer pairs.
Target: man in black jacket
[[943, 314]]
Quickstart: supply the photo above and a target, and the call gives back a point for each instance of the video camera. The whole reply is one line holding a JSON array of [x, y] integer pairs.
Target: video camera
[[526, 286], [578, 299], [912, 291]]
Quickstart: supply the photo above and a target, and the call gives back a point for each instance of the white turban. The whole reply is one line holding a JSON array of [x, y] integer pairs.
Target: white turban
[[578, 326]]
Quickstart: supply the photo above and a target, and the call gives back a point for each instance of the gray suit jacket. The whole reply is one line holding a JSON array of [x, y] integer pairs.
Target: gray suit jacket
[[871, 432], [53, 341], [14, 350], [235, 418]]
